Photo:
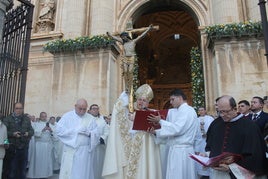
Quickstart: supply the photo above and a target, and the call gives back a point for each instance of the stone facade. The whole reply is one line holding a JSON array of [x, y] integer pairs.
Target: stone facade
[[55, 81], [237, 67]]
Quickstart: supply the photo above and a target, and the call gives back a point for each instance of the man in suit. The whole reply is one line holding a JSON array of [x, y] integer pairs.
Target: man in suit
[[244, 108], [258, 115], [265, 100]]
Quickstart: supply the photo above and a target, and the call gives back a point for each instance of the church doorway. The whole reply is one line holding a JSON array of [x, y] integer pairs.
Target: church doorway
[[164, 55]]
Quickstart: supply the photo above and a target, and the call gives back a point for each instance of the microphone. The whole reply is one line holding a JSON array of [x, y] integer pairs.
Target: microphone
[[145, 108]]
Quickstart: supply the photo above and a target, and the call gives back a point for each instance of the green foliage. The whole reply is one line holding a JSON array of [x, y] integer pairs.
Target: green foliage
[[197, 78], [135, 75], [79, 43], [240, 29]]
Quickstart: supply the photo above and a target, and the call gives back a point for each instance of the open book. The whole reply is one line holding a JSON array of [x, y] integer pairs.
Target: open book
[[141, 122], [224, 158]]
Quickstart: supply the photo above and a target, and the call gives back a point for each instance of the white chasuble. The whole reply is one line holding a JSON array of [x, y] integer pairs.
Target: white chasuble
[[119, 141], [144, 159]]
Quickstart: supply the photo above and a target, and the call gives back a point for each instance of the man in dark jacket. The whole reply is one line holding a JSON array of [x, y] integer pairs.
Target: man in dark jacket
[[258, 115], [231, 132], [19, 131]]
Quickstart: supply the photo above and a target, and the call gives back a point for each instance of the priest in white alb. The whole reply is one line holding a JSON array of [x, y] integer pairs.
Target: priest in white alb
[[78, 131], [204, 121], [180, 132], [99, 153], [41, 163]]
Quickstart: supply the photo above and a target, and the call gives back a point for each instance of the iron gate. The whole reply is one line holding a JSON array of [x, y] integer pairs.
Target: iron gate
[[14, 55]]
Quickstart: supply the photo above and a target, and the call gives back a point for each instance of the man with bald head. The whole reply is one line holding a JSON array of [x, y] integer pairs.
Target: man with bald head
[[78, 131], [231, 132]]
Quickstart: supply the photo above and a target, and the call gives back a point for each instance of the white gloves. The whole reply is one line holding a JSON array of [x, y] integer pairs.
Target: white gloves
[[124, 98]]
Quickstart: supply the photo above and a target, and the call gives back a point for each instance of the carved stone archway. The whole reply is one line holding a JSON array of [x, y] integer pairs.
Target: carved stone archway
[[133, 9], [176, 17]]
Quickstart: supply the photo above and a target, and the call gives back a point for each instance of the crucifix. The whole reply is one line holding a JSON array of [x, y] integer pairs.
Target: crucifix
[[129, 57]]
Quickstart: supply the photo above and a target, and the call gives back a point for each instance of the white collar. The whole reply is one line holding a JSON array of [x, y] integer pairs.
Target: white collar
[[258, 113], [236, 118]]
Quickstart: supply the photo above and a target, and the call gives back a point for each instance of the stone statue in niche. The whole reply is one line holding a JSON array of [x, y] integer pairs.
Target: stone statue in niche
[[47, 10], [45, 22]]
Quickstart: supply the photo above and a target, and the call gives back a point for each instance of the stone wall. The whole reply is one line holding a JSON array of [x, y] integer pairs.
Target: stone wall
[[55, 82], [101, 17], [229, 67], [224, 11], [238, 68]]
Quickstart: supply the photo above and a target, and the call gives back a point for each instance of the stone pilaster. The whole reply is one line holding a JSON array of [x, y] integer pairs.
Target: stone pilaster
[[224, 12], [102, 16], [240, 67], [73, 18]]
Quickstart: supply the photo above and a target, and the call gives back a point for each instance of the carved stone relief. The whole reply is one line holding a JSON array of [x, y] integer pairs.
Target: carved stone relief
[[46, 14]]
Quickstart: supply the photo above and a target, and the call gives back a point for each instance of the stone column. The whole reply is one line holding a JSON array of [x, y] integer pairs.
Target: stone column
[[254, 10], [102, 16], [224, 11], [4, 5], [240, 67], [73, 18]]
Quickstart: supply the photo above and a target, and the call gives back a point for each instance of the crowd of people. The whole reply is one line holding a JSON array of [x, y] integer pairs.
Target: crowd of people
[[35, 147], [83, 144]]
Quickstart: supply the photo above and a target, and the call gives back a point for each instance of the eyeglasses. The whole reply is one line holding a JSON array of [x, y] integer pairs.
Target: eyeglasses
[[82, 109], [225, 111], [18, 108], [95, 108]]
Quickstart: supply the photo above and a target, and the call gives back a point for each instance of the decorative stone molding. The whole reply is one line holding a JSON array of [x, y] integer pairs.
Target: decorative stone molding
[[49, 36], [45, 26], [199, 8]]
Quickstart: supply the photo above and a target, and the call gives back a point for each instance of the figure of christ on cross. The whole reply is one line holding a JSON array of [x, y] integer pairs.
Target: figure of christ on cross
[[128, 57]]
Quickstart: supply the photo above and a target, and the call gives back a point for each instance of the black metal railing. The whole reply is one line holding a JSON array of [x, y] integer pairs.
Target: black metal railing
[[14, 55]]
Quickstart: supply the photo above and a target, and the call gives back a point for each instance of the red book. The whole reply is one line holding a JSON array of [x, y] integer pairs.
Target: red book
[[224, 158], [141, 122]]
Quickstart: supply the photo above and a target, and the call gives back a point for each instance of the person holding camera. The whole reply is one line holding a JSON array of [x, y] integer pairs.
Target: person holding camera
[[42, 152], [19, 131]]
